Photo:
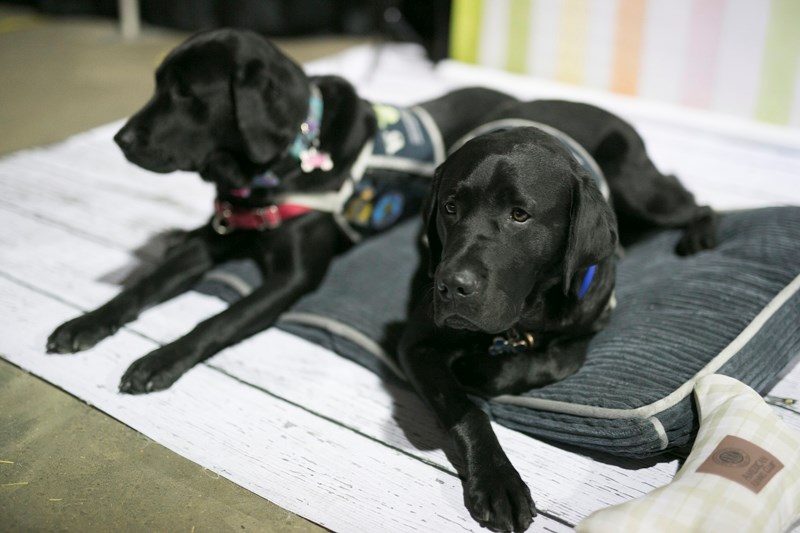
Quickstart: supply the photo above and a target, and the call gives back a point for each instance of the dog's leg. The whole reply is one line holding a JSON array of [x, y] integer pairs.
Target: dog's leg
[[301, 269], [493, 375], [184, 265], [494, 493], [643, 195]]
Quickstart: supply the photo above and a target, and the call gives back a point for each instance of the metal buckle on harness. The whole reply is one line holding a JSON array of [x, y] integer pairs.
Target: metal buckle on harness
[[221, 223]]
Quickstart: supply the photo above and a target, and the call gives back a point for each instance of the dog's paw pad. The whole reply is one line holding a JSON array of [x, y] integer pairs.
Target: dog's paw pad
[[699, 235], [501, 502], [147, 375], [73, 337]]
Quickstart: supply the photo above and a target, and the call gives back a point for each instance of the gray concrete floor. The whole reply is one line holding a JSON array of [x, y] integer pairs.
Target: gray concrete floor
[[65, 466]]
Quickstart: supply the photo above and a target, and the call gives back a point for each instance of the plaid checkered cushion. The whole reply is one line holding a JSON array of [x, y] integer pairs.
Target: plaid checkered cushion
[[742, 475]]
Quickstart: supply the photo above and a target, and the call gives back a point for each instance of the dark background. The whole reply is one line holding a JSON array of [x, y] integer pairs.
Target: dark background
[[422, 21]]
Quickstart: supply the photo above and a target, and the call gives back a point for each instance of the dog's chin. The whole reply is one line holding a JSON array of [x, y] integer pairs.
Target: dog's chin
[[485, 318], [457, 322], [157, 165]]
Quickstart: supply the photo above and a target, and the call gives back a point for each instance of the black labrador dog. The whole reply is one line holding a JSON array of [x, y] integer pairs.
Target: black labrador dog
[[521, 274], [286, 152]]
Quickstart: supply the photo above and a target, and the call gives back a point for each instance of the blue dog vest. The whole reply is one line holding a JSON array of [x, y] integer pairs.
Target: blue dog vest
[[406, 150], [390, 178]]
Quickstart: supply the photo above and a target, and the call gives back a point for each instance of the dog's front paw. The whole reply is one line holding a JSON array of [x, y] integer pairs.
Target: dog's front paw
[[79, 334], [156, 371], [700, 234], [498, 499]]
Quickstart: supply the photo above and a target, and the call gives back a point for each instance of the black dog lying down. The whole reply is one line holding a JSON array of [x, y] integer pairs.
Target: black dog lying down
[[287, 154], [521, 273]]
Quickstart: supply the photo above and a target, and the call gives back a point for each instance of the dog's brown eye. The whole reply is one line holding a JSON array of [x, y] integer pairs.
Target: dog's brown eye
[[519, 215], [450, 208]]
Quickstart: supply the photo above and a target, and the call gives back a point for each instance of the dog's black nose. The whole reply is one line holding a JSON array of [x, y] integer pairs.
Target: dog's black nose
[[459, 284], [126, 138]]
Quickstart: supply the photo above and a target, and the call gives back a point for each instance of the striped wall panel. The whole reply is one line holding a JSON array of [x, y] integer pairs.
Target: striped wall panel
[[740, 57]]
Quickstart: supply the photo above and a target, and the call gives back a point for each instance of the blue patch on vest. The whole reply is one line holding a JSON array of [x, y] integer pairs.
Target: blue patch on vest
[[382, 200], [388, 210]]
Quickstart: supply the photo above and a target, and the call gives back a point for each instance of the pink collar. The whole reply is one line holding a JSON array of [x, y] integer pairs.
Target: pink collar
[[228, 217]]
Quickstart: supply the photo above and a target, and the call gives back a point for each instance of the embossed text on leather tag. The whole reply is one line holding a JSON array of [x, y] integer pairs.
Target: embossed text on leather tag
[[742, 461]]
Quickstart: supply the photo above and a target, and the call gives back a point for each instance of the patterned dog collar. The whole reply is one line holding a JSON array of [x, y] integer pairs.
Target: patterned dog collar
[[306, 145]]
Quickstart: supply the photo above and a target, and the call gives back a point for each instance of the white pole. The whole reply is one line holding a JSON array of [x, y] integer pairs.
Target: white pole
[[129, 19]]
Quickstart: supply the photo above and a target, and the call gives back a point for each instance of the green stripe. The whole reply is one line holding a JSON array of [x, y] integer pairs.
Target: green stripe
[[519, 17], [781, 52], [465, 24]]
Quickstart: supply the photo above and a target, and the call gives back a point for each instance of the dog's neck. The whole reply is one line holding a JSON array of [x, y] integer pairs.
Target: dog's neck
[[301, 155], [328, 141], [336, 131], [552, 314], [305, 147]]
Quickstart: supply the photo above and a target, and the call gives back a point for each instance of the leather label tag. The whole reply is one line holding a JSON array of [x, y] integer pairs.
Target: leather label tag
[[743, 462]]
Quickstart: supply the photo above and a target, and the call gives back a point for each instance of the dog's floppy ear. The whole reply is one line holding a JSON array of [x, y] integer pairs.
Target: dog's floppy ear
[[270, 93], [431, 234], [592, 231]]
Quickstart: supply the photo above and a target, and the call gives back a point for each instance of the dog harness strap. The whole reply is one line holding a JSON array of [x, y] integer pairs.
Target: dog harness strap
[[407, 140], [578, 152], [228, 217]]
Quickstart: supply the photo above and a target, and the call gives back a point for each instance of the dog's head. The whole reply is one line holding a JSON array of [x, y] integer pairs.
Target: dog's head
[[224, 100], [512, 215]]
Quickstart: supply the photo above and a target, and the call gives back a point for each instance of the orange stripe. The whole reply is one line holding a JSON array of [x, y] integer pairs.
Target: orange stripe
[[627, 52]]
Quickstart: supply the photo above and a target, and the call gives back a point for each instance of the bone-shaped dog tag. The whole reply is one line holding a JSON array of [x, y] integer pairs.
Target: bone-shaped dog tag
[[312, 159]]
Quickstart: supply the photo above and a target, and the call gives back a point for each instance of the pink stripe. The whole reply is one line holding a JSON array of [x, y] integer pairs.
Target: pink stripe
[[704, 38]]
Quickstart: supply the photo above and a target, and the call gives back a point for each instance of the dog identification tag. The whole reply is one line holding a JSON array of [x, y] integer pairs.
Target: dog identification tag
[[312, 159], [515, 344]]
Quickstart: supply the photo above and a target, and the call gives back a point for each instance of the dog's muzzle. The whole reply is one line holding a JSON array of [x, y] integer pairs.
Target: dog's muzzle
[[137, 152], [457, 299]]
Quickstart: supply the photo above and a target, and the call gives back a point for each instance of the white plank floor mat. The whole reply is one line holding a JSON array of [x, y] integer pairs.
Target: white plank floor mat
[[286, 419]]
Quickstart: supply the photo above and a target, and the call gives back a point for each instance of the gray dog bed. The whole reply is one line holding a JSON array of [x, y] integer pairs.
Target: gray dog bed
[[734, 310]]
